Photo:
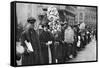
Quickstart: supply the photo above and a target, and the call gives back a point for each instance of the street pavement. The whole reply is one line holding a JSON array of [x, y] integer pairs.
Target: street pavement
[[87, 54]]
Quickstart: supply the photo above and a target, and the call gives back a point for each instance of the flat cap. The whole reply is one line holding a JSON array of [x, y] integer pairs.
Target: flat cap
[[31, 20]]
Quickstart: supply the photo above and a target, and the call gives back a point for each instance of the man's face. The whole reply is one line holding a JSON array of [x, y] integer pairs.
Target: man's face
[[32, 24]]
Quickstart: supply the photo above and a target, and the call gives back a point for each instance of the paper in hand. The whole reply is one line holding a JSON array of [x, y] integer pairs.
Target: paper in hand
[[29, 46]]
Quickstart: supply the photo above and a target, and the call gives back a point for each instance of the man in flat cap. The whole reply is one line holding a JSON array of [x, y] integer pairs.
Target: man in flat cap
[[30, 41]]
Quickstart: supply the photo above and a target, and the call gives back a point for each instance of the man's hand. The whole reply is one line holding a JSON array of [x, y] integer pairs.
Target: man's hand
[[28, 51]]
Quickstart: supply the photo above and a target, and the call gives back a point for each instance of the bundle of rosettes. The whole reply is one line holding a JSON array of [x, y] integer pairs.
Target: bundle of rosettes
[[53, 17], [52, 13]]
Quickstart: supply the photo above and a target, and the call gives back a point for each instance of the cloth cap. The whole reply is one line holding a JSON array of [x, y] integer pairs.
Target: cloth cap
[[31, 20]]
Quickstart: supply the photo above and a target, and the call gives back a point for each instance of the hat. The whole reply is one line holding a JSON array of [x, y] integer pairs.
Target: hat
[[31, 20]]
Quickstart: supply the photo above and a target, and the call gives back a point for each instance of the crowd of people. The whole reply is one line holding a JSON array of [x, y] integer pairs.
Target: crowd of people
[[45, 47], [54, 41]]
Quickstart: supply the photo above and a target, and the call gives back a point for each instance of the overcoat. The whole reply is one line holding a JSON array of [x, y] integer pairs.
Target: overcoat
[[35, 57]]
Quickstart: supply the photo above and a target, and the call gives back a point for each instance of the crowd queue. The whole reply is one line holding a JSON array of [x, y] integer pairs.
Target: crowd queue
[[44, 46]]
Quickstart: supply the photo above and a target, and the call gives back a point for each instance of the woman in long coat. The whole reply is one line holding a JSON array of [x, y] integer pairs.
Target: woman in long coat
[[44, 37]]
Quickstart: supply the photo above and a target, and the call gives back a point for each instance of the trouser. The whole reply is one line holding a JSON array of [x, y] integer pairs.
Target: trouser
[[74, 47], [56, 52], [89, 39], [68, 50], [83, 42]]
